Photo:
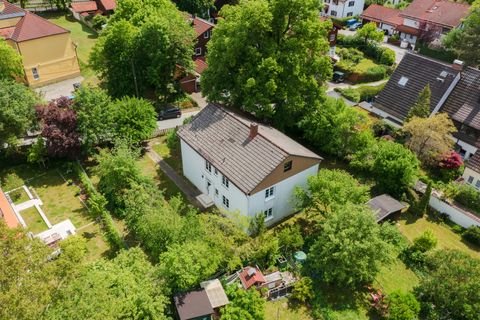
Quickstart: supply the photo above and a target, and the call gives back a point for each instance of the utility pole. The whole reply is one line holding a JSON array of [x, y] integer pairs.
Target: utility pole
[[135, 79]]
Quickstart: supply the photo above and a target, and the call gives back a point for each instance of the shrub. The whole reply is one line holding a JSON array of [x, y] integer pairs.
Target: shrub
[[369, 92], [303, 290], [426, 242], [99, 21], [402, 306], [351, 54], [351, 94], [381, 128], [472, 235], [390, 234], [387, 57], [375, 74], [469, 197], [172, 140]]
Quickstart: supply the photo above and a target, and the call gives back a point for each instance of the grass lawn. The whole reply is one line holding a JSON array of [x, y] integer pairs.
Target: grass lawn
[[97, 247], [364, 65], [281, 310], [447, 239], [396, 276], [19, 196], [82, 36], [34, 221], [172, 157]]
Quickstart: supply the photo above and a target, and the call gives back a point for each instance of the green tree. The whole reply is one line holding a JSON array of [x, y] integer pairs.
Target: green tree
[[402, 306], [393, 166], [135, 119], [345, 127], [37, 153], [349, 250], [421, 108], [11, 66], [370, 32], [421, 207], [269, 57], [425, 242], [465, 41], [329, 188], [430, 138], [451, 287], [126, 287], [17, 113], [290, 239], [185, 265], [199, 7], [244, 305]]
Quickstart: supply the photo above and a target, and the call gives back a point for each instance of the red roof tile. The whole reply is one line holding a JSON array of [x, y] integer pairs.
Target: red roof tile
[[382, 14], [108, 4], [80, 7], [247, 280], [6, 212], [200, 65], [441, 12], [6, 33], [201, 26], [10, 8], [32, 27]]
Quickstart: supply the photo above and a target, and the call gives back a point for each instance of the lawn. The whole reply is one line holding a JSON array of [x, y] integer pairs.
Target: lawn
[[364, 65], [82, 36], [18, 196], [447, 238], [172, 157], [281, 310], [396, 276], [34, 221]]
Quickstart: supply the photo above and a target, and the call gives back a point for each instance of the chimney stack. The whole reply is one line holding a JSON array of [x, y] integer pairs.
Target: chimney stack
[[253, 130], [457, 65]]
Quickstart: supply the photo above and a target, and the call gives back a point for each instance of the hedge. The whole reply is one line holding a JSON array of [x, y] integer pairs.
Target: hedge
[[469, 197], [472, 235], [370, 49], [361, 93]]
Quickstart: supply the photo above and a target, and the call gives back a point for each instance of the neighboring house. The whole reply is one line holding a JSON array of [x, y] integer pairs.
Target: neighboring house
[[387, 19], [471, 175], [191, 80], [83, 9], [203, 30], [454, 90], [47, 51], [431, 19], [342, 8], [243, 166], [7, 214], [201, 304]]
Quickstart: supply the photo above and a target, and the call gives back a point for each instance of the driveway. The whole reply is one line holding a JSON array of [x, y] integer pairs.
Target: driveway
[[59, 89], [172, 123]]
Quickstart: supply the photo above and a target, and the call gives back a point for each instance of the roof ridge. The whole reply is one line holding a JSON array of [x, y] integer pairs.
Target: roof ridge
[[430, 59], [46, 20]]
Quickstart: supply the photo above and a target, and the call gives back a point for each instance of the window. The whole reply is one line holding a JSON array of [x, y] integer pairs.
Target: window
[[268, 214], [327, 1], [333, 13], [335, 2], [287, 166], [349, 14], [216, 192], [216, 172], [269, 192], [477, 184], [403, 81], [226, 202], [470, 179], [225, 181], [206, 35], [198, 51], [35, 74], [351, 4], [208, 166]]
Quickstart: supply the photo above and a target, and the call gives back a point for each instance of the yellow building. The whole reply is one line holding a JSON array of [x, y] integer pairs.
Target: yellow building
[[47, 51]]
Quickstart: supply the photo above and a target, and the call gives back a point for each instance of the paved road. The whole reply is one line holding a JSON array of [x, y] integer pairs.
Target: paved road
[[172, 123]]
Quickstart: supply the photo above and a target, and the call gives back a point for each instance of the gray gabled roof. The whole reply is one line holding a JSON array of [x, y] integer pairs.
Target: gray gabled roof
[[222, 137], [419, 71], [384, 205]]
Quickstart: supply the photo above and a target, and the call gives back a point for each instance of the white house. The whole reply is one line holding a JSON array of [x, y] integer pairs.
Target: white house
[[342, 8], [243, 166], [471, 175]]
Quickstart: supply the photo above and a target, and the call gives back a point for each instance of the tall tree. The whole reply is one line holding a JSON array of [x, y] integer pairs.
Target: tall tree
[[349, 250], [451, 287], [369, 32], [421, 108], [199, 7], [430, 138], [269, 58], [17, 112], [141, 47], [244, 305], [465, 41], [11, 66]]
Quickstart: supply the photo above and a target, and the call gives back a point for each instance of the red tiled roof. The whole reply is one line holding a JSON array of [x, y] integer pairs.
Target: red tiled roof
[[6, 212], [382, 14], [6, 33], [249, 281], [80, 7], [442, 12], [200, 65], [201, 26], [10, 8], [32, 27], [108, 4]]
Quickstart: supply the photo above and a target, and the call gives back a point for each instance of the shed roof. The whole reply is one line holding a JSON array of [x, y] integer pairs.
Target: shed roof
[[384, 205], [410, 77], [250, 276], [108, 4], [222, 137], [442, 12], [6, 212], [215, 292], [84, 6], [193, 304]]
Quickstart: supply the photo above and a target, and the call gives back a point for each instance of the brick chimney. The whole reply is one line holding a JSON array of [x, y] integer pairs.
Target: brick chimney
[[458, 65], [253, 130]]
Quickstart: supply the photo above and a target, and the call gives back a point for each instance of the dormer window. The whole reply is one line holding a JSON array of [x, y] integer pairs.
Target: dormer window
[[287, 166], [403, 81]]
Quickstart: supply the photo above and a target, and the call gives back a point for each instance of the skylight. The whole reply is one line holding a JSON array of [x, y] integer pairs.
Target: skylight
[[403, 81]]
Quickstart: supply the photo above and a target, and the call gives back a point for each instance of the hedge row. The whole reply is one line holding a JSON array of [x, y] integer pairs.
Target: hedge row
[[96, 203], [362, 93]]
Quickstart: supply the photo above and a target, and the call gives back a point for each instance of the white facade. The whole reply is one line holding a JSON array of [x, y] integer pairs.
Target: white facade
[[472, 177], [276, 206], [342, 8]]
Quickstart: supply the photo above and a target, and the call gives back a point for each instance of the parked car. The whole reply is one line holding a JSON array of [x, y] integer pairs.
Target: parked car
[[338, 77], [169, 113], [350, 22], [355, 26]]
